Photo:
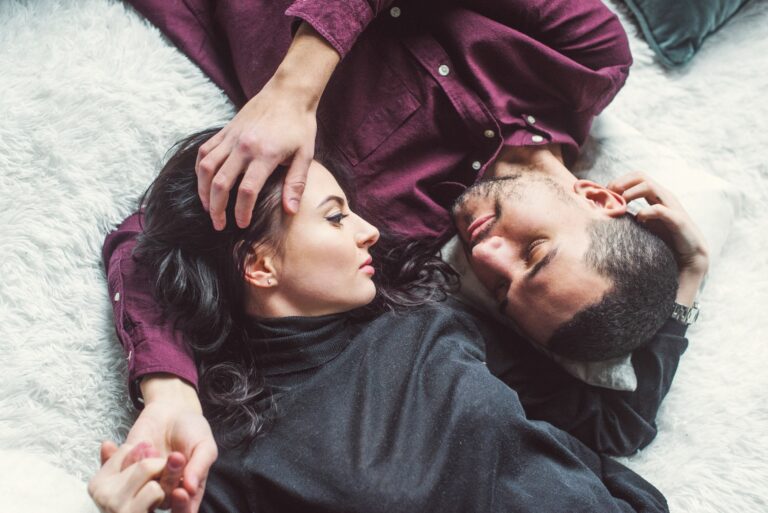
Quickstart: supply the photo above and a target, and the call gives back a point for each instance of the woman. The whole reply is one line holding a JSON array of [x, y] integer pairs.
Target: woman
[[334, 387]]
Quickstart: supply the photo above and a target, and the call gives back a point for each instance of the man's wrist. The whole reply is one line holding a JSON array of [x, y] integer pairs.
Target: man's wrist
[[167, 388], [307, 66]]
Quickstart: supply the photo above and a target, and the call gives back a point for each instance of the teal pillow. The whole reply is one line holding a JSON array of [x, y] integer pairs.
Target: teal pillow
[[675, 29]]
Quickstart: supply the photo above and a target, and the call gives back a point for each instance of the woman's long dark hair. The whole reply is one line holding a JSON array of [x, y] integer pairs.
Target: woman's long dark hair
[[199, 280]]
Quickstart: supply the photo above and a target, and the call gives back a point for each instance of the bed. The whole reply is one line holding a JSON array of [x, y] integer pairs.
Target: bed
[[91, 97]]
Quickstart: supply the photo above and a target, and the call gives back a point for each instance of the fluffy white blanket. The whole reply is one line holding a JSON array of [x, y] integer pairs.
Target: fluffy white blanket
[[91, 97]]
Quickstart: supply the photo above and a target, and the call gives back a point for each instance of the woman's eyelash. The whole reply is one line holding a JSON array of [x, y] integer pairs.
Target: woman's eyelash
[[337, 218]]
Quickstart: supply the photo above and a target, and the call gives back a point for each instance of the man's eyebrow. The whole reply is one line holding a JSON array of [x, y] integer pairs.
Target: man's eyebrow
[[337, 199], [540, 265]]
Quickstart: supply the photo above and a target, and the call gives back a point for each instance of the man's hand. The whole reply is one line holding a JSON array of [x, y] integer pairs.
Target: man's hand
[[666, 217], [276, 127], [173, 427]]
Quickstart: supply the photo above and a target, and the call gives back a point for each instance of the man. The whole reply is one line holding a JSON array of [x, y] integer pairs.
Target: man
[[419, 99]]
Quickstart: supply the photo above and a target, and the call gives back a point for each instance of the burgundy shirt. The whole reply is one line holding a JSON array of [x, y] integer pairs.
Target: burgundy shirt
[[424, 98]]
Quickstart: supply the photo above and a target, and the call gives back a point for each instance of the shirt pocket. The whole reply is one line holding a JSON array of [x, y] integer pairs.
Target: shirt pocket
[[366, 105]]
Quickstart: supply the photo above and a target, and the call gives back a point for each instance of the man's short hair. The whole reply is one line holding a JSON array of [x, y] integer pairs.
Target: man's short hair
[[643, 271]]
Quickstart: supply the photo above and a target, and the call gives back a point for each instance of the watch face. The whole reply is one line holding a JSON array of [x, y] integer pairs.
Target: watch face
[[685, 314]]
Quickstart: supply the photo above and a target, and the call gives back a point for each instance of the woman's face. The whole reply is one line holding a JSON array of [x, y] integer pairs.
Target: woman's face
[[323, 266]]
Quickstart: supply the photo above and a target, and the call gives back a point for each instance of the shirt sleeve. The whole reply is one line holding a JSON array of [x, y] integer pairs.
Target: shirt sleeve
[[148, 337], [609, 421], [340, 22]]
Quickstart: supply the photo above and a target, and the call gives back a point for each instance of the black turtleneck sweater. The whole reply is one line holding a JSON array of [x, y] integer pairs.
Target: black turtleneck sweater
[[400, 414]]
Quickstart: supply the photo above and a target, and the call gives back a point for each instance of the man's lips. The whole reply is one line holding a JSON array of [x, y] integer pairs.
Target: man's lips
[[476, 226]]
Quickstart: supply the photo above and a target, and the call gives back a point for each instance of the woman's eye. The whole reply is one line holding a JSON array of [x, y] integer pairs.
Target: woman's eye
[[336, 218]]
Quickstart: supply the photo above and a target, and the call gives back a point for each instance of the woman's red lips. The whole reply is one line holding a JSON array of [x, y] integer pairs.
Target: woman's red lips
[[474, 228], [367, 268]]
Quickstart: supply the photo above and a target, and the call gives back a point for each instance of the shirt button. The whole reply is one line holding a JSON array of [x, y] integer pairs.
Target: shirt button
[[489, 134], [531, 119], [443, 70], [395, 12], [537, 138], [476, 165], [117, 296]]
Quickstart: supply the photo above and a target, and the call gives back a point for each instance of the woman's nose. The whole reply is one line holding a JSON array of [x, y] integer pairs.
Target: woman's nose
[[368, 234]]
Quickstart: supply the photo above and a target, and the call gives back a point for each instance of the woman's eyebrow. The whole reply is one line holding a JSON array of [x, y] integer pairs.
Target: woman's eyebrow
[[337, 199]]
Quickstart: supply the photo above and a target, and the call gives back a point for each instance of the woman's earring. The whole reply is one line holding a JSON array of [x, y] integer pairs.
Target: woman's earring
[[269, 281]]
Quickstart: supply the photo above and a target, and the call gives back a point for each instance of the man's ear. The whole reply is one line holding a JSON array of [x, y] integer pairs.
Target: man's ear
[[260, 271], [608, 201]]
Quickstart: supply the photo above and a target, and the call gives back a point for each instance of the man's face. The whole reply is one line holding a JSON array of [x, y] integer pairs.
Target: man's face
[[526, 237]]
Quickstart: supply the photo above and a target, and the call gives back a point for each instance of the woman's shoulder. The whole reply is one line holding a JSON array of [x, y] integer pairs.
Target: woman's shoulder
[[430, 329]]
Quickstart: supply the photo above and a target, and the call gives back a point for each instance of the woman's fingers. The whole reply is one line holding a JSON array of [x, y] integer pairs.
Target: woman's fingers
[[627, 181], [641, 190], [108, 449], [149, 497]]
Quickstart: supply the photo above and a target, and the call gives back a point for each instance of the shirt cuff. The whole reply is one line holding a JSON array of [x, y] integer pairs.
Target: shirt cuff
[[340, 23]]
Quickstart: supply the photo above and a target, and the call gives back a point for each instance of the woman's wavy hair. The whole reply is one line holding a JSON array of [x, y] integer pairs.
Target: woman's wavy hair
[[198, 275]]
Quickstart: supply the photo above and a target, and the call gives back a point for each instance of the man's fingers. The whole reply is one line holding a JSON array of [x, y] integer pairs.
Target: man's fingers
[[180, 501], [108, 449], [171, 476], [208, 167], [295, 181], [208, 146], [222, 184], [199, 464], [255, 175]]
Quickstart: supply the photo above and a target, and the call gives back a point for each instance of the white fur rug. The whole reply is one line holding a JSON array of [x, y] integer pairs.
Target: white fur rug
[[91, 97]]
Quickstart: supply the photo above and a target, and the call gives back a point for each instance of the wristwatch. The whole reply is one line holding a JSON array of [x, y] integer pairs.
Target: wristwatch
[[684, 314]]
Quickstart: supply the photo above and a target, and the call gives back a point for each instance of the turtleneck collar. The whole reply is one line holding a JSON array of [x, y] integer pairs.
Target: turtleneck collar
[[293, 344]]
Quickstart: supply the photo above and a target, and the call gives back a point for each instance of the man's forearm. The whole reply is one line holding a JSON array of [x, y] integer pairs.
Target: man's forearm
[[170, 389], [307, 66]]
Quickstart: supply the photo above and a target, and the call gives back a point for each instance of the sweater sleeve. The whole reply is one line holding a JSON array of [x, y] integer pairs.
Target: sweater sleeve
[[536, 466], [150, 342], [609, 421]]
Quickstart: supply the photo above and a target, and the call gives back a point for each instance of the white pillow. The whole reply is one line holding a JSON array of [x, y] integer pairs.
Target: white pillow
[[613, 149]]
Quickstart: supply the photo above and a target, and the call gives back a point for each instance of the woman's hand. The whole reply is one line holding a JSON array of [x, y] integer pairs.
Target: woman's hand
[[172, 422], [667, 218], [131, 489], [276, 127]]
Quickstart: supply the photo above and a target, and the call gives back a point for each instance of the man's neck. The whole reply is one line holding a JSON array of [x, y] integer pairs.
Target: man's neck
[[546, 160]]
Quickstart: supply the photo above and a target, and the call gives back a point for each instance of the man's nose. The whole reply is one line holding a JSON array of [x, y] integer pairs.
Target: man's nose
[[490, 253]]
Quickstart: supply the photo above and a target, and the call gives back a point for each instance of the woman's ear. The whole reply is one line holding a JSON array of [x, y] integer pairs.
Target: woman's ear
[[609, 202], [260, 271]]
